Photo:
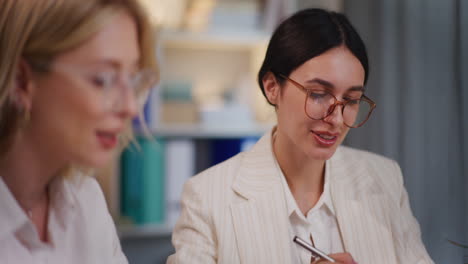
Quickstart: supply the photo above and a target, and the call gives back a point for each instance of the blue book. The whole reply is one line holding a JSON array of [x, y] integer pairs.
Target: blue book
[[146, 117], [223, 149]]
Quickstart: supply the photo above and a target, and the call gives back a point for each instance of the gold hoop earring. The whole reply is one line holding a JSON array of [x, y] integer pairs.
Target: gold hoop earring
[[26, 116]]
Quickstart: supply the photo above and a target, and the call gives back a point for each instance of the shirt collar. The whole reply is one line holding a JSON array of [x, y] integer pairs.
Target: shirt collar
[[12, 216], [62, 203], [63, 198], [324, 200]]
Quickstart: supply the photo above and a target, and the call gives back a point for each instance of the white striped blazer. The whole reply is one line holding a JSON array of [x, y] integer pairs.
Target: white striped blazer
[[235, 212]]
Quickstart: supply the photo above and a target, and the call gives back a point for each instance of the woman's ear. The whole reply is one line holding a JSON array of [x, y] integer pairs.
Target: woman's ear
[[272, 88], [23, 88]]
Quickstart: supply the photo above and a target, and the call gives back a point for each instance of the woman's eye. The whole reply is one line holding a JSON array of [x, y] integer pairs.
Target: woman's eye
[[135, 80], [352, 101], [104, 80], [352, 96], [317, 95]]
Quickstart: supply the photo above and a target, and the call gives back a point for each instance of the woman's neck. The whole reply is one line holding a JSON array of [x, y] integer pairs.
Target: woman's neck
[[27, 172], [304, 176]]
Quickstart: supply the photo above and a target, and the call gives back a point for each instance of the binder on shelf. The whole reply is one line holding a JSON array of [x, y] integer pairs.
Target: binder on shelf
[[154, 111], [248, 142], [154, 172], [180, 163], [146, 114], [130, 185], [142, 182], [203, 159], [223, 149], [150, 112], [153, 181], [178, 105]]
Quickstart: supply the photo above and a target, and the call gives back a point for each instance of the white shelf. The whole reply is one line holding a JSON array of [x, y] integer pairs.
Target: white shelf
[[144, 231], [206, 131], [230, 40]]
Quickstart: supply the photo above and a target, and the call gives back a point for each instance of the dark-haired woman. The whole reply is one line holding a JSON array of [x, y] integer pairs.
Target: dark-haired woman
[[298, 180]]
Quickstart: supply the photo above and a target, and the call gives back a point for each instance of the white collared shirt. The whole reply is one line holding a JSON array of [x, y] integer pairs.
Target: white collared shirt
[[80, 228], [320, 223]]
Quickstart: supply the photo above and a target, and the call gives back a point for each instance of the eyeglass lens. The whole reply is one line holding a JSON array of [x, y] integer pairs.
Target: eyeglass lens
[[321, 104]]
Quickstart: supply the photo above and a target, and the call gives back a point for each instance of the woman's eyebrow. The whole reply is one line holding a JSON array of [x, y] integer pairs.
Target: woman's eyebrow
[[114, 63], [358, 88], [321, 82], [330, 86]]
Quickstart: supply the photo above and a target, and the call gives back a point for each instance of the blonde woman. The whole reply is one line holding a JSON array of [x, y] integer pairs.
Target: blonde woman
[[72, 75]]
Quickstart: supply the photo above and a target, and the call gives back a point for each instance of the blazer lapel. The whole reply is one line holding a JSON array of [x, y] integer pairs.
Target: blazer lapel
[[260, 218], [361, 212]]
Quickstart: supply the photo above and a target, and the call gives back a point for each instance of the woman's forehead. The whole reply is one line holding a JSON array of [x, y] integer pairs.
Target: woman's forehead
[[336, 68], [115, 42]]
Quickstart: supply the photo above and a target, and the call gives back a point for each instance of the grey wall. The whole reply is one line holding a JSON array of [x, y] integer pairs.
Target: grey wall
[[419, 81], [464, 102]]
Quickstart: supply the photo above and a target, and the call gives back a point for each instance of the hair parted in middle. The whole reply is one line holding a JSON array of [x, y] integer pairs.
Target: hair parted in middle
[[305, 35]]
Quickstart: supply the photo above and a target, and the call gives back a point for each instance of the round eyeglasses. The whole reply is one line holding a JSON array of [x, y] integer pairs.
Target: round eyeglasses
[[320, 103], [112, 85]]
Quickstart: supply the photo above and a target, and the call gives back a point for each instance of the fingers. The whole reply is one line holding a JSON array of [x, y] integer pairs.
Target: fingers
[[341, 258]]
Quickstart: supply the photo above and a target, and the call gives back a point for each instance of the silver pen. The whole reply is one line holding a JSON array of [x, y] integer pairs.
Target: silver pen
[[312, 249]]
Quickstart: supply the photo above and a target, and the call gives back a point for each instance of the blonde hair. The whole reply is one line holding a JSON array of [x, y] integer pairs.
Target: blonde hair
[[39, 30]]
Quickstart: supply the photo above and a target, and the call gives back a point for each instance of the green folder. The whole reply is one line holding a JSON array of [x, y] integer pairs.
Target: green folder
[[153, 181], [142, 182]]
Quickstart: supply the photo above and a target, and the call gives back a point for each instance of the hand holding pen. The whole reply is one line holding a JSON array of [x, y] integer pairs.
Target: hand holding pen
[[322, 258], [340, 258]]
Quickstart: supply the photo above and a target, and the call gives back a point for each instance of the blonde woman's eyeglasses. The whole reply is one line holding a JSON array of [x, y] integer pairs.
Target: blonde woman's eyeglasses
[[112, 84]]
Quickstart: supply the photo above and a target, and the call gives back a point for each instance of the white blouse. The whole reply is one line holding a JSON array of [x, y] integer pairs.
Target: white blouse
[[80, 228], [320, 223]]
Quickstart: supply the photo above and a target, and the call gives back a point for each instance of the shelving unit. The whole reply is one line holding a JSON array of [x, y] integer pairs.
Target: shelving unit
[[198, 131], [215, 62], [212, 62], [215, 40], [191, 132], [222, 59], [226, 57], [195, 52]]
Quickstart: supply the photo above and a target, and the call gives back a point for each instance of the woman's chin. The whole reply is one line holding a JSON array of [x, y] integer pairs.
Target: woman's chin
[[97, 161], [321, 154]]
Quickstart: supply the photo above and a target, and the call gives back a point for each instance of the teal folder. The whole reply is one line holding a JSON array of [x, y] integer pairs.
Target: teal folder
[[142, 182], [131, 183], [153, 179]]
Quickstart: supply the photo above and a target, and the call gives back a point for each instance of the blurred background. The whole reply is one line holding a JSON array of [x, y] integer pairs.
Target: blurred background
[[208, 107]]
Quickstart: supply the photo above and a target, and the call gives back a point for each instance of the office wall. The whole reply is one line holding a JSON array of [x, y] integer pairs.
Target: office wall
[[463, 15], [419, 80]]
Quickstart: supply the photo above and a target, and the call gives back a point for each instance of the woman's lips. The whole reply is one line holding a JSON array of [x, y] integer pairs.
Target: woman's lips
[[107, 140], [325, 138]]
